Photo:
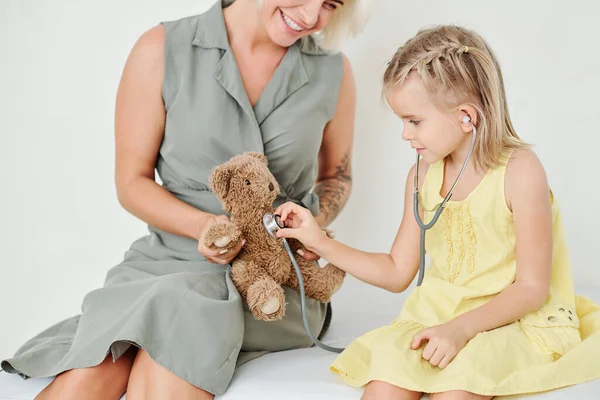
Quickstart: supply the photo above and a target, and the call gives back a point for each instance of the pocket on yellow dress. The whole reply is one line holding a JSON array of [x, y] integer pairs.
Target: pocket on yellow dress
[[554, 328]]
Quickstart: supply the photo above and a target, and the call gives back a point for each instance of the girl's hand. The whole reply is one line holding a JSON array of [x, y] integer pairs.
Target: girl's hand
[[217, 256], [444, 343], [301, 225]]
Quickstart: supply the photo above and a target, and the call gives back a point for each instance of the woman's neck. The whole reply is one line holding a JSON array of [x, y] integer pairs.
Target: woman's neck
[[244, 27]]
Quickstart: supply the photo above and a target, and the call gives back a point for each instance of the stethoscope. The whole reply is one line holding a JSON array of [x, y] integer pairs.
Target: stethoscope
[[273, 223], [440, 207]]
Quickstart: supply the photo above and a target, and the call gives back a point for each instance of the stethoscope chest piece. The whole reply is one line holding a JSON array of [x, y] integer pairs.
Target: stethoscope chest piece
[[273, 223]]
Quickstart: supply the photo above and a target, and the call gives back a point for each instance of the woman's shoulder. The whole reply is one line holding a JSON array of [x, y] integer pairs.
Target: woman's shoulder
[[149, 47], [146, 56], [331, 71], [156, 35], [185, 28], [319, 61], [152, 38]]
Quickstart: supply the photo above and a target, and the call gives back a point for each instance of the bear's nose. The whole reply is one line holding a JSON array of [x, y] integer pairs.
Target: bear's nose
[[271, 186]]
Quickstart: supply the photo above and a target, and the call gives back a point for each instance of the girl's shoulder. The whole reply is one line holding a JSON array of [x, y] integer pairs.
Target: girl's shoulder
[[524, 175]]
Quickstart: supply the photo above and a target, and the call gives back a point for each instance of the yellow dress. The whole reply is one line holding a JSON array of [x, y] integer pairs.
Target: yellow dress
[[472, 253]]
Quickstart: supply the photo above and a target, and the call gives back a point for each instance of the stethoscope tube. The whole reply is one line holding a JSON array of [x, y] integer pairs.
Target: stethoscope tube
[[438, 209], [272, 225], [303, 304]]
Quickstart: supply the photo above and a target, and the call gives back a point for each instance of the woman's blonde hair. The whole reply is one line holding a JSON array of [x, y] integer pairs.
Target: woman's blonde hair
[[347, 21], [458, 67]]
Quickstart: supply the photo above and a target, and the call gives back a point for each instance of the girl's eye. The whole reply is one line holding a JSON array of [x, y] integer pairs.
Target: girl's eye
[[414, 122], [247, 182]]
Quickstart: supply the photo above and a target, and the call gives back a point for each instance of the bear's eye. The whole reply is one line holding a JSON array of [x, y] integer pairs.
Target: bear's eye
[[247, 182]]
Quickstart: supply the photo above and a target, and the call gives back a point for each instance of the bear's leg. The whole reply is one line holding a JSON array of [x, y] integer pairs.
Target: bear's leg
[[264, 296], [319, 283]]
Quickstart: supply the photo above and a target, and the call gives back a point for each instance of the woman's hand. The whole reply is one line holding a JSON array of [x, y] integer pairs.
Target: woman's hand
[[222, 257], [302, 226], [444, 342]]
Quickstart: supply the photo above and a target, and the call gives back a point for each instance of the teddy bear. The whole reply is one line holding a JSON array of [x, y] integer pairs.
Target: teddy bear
[[246, 189]]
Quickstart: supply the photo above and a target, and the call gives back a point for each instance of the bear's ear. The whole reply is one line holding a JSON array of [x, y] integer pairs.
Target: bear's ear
[[220, 179], [260, 156]]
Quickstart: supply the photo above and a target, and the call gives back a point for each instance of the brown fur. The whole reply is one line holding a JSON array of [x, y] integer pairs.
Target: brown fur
[[246, 189]]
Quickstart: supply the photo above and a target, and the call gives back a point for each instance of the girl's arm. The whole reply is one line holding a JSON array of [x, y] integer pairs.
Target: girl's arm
[[334, 181], [139, 129], [528, 196], [393, 272]]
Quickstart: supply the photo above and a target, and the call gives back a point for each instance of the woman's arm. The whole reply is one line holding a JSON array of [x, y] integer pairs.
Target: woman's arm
[[334, 181], [139, 129], [393, 272], [528, 196]]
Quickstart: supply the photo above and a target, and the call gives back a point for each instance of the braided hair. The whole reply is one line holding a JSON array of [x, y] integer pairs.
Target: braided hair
[[458, 67]]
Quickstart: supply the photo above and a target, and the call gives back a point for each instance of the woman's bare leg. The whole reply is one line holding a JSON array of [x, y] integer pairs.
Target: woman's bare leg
[[149, 381], [105, 381]]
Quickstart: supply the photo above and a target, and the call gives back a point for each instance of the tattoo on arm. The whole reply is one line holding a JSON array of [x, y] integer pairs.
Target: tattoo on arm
[[334, 191]]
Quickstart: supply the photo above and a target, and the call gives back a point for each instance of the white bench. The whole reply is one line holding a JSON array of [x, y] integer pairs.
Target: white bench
[[302, 374]]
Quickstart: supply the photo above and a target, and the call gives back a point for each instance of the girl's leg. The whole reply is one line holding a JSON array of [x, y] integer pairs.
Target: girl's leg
[[459, 395], [148, 381], [379, 390], [105, 381]]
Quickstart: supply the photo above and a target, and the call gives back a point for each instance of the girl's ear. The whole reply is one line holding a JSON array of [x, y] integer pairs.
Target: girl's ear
[[470, 111]]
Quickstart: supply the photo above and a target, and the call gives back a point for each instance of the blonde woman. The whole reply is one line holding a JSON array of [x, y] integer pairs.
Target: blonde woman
[[496, 313], [247, 75]]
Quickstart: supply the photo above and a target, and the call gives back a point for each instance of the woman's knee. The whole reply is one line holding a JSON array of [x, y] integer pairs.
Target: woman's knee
[[458, 395], [108, 380], [383, 390], [150, 380]]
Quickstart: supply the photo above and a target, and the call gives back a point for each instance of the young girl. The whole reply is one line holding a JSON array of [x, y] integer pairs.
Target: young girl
[[496, 313]]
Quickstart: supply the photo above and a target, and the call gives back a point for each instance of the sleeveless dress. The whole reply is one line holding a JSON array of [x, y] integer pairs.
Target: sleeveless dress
[[472, 259], [165, 297]]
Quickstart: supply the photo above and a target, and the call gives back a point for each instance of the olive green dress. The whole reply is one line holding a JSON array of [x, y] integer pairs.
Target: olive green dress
[[165, 297]]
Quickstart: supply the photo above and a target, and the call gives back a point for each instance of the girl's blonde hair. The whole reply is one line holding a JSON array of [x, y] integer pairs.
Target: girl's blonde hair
[[458, 67]]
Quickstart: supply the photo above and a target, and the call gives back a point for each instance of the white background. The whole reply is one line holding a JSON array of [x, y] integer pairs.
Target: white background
[[60, 62]]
